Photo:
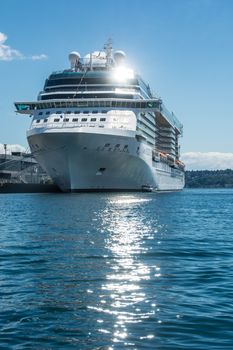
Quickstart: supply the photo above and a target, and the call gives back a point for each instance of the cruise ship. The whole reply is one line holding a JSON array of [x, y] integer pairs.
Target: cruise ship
[[97, 126]]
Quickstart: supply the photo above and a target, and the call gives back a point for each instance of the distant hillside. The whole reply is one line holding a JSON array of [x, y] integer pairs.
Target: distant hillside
[[209, 178]]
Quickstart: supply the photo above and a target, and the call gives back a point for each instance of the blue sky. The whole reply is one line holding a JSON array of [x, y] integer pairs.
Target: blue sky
[[183, 48]]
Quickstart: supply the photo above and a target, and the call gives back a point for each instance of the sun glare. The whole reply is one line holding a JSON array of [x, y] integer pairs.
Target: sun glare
[[122, 73]]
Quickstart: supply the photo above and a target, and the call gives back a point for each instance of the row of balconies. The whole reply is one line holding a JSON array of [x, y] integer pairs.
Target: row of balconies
[[166, 141], [146, 135], [168, 136], [167, 128], [147, 125], [166, 147], [147, 115], [146, 130]]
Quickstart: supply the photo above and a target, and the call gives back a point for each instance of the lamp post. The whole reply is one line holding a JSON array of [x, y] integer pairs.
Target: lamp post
[[5, 149]]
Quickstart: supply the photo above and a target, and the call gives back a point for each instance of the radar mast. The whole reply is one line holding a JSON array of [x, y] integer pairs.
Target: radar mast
[[108, 51]]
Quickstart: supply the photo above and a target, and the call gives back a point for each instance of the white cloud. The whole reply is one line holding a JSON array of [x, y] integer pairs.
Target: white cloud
[[9, 54], [39, 57], [3, 37], [6, 52], [11, 148], [207, 160]]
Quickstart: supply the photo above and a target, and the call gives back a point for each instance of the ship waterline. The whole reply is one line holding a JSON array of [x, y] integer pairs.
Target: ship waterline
[[93, 130]]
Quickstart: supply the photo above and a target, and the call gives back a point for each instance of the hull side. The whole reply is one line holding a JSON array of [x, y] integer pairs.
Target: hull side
[[100, 162]]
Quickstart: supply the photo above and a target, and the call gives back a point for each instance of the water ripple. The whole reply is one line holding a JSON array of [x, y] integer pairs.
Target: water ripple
[[117, 271]]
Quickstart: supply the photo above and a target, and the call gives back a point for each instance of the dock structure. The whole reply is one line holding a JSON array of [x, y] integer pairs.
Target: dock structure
[[19, 167]]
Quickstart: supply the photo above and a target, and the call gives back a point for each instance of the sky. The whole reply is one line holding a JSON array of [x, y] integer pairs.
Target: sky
[[183, 48]]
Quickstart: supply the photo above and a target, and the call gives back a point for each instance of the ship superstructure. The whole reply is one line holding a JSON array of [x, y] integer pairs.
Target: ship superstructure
[[97, 126]]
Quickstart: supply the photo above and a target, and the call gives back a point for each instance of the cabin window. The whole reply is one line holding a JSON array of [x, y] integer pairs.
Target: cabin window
[[68, 112], [102, 119], [38, 120], [93, 119], [56, 120], [85, 112], [84, 119], [66, 119], [104, 111], [47, 112], [75, 120], [58, 112], [45, 120], [94, 112], [76, 112], [41, 113]]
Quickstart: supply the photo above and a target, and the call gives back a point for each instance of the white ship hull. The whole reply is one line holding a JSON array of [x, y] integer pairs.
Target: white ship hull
[[78, 160]]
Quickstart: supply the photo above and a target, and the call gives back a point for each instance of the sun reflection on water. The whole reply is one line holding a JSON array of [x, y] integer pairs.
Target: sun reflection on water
[[124, 294]]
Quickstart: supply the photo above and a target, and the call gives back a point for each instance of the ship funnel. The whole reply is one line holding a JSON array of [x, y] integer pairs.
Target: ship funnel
[[119, 57], [74, 58]]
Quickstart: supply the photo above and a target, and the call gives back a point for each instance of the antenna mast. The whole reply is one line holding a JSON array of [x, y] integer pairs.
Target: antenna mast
[[108, 50]]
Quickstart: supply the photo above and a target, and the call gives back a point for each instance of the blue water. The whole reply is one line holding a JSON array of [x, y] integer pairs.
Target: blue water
[[117, 271]]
